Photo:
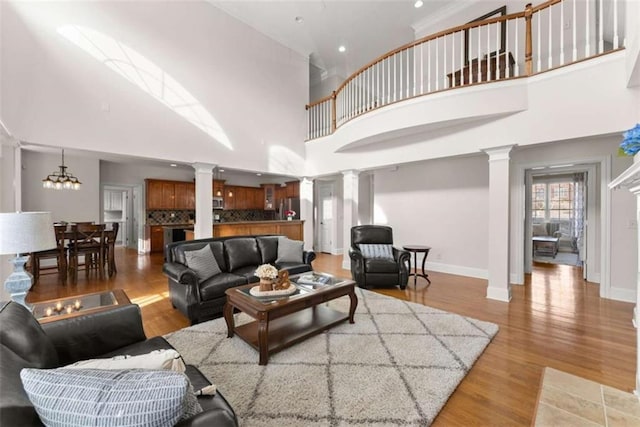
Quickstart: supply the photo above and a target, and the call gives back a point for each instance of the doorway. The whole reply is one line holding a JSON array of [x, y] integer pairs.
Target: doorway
[[117, 207], [326, 210], [560, 201]]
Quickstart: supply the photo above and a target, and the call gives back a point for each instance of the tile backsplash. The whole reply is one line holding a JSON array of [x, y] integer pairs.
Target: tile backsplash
[[159, 217]]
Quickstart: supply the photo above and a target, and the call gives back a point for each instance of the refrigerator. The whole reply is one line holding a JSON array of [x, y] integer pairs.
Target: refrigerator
[[288, 204]]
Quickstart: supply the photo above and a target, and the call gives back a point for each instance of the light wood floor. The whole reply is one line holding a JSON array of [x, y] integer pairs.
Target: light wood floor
[[555, 320]]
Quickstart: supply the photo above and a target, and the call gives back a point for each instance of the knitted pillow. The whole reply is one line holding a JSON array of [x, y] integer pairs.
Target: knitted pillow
[[202, 262], [376, 251], [108, 398]]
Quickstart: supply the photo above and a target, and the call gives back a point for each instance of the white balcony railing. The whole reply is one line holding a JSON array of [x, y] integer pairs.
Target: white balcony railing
[[553, 34]]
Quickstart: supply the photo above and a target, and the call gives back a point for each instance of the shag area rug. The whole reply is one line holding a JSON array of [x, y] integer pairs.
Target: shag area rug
[[397, 365]]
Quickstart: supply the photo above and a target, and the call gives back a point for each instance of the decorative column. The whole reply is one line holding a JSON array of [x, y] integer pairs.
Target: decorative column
[[499, 287], [306, 211], [350, 212], [630, 179], [203, 228]]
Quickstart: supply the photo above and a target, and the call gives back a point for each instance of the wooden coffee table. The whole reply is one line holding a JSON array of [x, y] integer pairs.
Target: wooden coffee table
[[282, 322]]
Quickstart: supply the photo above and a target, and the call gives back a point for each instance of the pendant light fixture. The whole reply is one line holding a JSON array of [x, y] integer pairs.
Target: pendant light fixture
[[61, 179]]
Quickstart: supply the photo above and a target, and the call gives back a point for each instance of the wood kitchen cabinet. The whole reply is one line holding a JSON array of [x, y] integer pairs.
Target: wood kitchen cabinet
[[160, 194], [269, 196], [155, 237], [218, 188], [185, 195], [229, 197], [293, 189]]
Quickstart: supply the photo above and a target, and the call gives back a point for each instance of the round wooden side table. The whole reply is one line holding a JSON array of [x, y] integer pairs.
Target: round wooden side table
[[416, 249]]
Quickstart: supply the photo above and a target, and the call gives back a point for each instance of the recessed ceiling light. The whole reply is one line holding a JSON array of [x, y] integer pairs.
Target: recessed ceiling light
[[259, 174], [173, 165], [342, 49], [418, 4], [299, 19], [221, 170]]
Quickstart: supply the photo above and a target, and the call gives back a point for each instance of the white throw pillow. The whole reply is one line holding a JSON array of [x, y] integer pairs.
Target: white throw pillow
[[202, 262], [167, 359], [289, 250]]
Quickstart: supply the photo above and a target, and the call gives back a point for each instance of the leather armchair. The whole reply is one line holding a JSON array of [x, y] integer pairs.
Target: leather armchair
[[377, 272]]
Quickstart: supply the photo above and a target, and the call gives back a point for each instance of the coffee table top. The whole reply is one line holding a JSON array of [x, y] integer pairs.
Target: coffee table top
[[304, 290]]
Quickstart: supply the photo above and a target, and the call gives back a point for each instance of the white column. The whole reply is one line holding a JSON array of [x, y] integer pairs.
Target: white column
[[350, 212], [203, 228], [636, 190], [499, 287], [306, 211]]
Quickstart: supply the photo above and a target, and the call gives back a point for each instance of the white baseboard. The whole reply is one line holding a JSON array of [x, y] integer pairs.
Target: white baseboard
[[499, 294], [478, 273], [621, 294]]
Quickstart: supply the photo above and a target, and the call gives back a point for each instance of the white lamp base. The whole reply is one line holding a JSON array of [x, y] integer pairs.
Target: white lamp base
[[19, 282]]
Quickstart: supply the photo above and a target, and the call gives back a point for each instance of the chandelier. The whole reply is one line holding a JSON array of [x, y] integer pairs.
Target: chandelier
[[61, 179]]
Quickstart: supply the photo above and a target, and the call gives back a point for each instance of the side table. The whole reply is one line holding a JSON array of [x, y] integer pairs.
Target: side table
[[415, 249]]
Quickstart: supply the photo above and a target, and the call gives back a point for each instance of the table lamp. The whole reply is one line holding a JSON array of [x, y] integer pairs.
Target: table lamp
[[20, 233]]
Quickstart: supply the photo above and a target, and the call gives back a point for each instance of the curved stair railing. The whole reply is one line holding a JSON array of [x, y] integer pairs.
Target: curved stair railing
[[540, 38]]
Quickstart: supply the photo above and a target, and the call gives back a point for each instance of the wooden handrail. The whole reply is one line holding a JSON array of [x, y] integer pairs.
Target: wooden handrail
[[369, 92]]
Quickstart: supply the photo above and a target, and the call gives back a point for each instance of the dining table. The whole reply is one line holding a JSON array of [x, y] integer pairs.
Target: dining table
[[109, 235]]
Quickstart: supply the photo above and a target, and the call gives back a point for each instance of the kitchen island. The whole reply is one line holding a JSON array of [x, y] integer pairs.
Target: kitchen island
[[292, 229]]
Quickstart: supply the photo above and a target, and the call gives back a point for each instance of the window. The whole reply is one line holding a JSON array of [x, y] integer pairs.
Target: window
[[553, 202]]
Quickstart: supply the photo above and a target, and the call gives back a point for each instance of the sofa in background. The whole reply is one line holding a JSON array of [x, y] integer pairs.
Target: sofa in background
[[24, 343], [202, 296]]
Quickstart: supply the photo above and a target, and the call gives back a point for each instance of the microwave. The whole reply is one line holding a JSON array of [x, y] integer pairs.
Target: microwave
[[218, 203]]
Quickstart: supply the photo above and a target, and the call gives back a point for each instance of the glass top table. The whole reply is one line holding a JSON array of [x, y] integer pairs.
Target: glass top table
[[71, 306]]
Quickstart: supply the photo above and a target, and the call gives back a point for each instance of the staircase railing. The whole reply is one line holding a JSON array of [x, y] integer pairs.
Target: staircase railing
[[540, 38]]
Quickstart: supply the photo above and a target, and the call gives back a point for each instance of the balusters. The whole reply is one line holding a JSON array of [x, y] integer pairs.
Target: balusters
[[436, 70], [461, 58], [549, 58], [479, 71], [429, 67], [587, 46], [498, 50], [601, 36], [616, 40], [561, 33], [539, 45], [517, 50], [407, 68], [444, 62], [421, 69], [574, 54]]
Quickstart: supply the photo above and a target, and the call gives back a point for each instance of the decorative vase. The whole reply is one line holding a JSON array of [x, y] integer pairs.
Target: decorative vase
[[266, 284], [289, 218]]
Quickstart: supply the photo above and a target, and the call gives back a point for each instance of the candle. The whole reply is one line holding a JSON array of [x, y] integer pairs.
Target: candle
[[49, 311], [69, 309], [58, 306], [76, 304]]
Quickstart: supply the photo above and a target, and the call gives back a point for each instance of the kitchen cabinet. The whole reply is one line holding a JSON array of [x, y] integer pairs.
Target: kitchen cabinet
[[269, 196], [185, 195], [155, 238], [112, 200], [229, 197], [293, 189], [292, 229]]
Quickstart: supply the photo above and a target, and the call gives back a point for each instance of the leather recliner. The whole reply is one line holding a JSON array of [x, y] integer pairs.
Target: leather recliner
[[376, 272]]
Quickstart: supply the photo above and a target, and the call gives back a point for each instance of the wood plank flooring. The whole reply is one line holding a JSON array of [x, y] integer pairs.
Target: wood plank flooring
[[556, 319]]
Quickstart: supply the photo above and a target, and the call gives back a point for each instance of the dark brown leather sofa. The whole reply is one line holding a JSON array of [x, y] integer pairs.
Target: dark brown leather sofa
[[24, 343], [238, 257]]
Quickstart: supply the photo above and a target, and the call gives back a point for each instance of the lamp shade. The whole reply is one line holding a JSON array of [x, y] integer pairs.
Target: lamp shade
[[22, 232]]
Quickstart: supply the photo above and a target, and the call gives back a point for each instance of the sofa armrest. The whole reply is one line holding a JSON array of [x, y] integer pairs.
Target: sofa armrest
[[94, 334], [180, 273], [218, 417], [308, 256]]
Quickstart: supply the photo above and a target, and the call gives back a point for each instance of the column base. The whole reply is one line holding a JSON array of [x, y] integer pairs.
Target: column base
[[499, 294]]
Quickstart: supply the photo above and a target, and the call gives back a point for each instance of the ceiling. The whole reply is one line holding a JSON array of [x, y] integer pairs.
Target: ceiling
[[368, 29]]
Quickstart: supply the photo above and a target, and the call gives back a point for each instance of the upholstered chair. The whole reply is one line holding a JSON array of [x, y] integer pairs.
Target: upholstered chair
[[374, 260]]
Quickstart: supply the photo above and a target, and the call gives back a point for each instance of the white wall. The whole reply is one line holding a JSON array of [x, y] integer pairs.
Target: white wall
[[324, 87], [440, 203], [65, 205], [365, 198], [7, 200], [54, 93]]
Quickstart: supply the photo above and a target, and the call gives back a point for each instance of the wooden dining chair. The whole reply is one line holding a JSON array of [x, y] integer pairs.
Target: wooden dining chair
[[59, 253], [110, 236], [87, 241]]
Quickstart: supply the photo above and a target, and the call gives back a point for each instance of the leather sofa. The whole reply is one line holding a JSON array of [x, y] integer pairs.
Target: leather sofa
[[237, 256], [24, 343], [375, 272]]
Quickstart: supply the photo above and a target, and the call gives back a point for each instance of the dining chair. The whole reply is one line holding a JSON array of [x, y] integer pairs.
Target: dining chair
[[110, 236], [59, 253], [87, 241]]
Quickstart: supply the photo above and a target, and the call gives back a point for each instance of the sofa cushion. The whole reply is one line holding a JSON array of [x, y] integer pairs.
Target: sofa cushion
[[202, 262], [216, 286], [382, 251], [268, 246], [248, 273], [109, 398], [242, 252], [539, 230], [293, 267], [289, 250]]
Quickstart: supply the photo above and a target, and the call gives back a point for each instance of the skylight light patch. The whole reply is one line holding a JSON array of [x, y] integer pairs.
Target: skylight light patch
[[147, 76]]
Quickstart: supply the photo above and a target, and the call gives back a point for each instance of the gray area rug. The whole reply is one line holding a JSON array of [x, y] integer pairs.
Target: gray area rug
[[565, 258], [397, 365]]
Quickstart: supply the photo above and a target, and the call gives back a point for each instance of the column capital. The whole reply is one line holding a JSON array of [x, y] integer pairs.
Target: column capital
[[204, 167], [499, 153], [350, 172]]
